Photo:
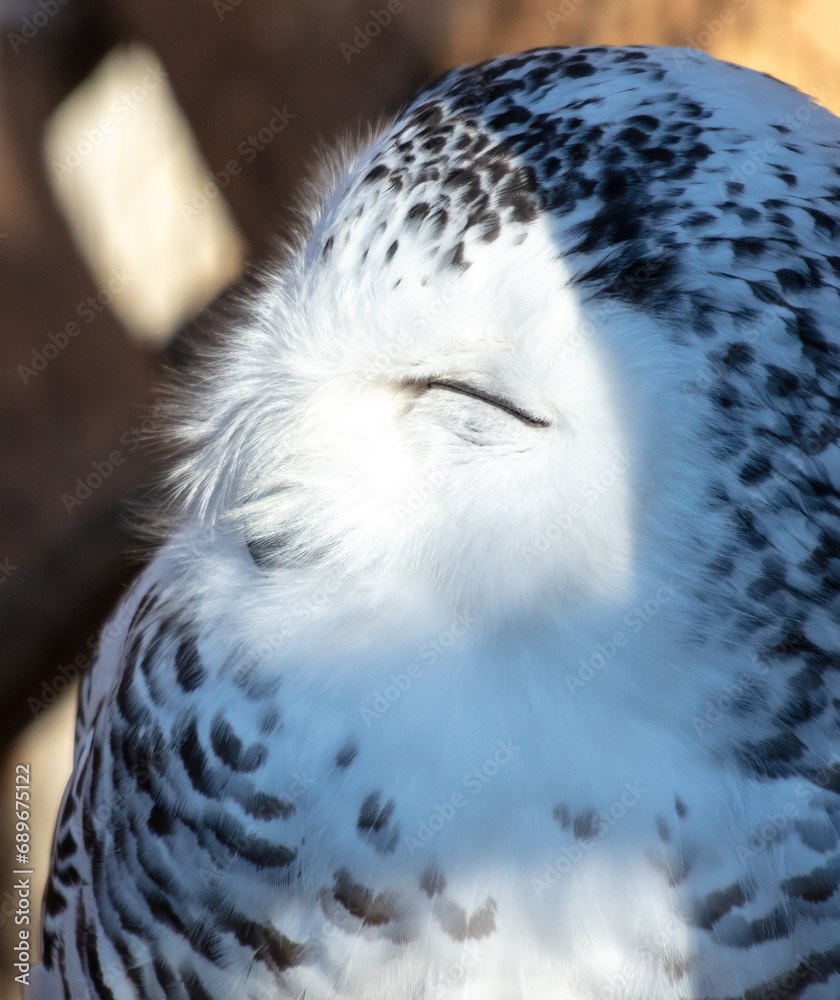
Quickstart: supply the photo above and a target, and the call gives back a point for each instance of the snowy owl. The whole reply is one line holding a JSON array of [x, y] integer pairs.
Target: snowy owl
[[493, 652]]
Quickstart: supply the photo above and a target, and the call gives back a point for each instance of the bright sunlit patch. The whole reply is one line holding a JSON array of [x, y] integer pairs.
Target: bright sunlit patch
[[122, 160]]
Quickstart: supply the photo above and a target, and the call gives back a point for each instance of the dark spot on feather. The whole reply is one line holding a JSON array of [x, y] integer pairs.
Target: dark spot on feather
[[563, 815], [587, 825], [357, 899], [372, 816], [433, 882], [188, 668], [229, 748], [346, 756]]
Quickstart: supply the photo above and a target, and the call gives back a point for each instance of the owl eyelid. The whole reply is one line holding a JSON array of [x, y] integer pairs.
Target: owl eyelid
[[501, 403]]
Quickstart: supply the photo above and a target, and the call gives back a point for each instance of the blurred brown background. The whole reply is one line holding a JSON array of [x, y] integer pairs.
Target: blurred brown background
[[149, 155]]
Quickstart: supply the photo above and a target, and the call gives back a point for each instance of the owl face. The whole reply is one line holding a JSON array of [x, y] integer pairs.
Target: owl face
[[451, 431]]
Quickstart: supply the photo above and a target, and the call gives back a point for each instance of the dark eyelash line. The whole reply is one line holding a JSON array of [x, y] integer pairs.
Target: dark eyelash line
[[502, 404]]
